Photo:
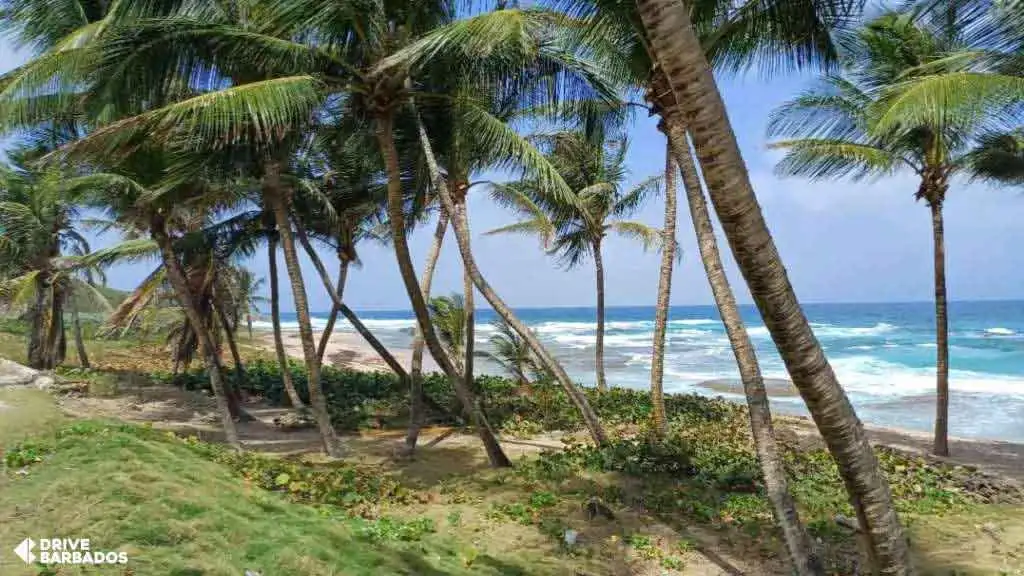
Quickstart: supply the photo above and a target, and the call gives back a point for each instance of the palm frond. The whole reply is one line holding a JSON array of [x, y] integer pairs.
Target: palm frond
[[822, 158], [960, 98], [126, 251], [998, 158], [256, 113], [635, 198], [650, 238], [20, 292], [91, 293]]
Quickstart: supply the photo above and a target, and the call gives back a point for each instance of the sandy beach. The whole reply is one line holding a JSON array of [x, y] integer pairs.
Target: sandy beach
[[347, 350]]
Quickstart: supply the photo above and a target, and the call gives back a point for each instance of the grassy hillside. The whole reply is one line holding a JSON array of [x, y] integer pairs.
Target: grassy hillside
[[177, 513]]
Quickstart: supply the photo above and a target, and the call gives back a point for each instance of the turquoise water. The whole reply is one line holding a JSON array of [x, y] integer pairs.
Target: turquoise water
[[884, 355]]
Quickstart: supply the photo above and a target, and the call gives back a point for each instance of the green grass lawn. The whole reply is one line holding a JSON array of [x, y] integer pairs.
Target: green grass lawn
[[177, 513]]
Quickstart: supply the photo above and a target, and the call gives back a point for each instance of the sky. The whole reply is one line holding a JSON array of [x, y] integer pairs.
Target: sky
[[841, 241]]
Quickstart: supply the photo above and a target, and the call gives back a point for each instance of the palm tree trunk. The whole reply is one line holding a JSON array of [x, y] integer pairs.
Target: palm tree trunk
[[229, 333], [668, 257], [37, 323], [275, 319], [325, 337], [469, 310], [176, 276], [62, 340], [55, 342], [347, 312], [83, 356], [773, 471], [576, 396], [385, 137], [941, 447], [602, 386], [416, 369], [317, 402], [676, 47]]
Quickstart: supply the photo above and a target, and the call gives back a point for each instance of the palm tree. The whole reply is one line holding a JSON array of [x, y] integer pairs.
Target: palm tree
[[38, 215], [515, 46], [675, 45], [246, 290], [275, 319], [768, 34], [852, 127], [304, 39], [576, 231], [499, 306], [133, 193], [448, 314], [668, 254], [511, 352], [999, 158]]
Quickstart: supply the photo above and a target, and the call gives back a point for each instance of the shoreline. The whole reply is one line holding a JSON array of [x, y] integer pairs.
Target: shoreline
[[347, 350]]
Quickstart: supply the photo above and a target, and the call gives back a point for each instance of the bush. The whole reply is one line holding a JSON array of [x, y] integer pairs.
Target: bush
[[357, 399]]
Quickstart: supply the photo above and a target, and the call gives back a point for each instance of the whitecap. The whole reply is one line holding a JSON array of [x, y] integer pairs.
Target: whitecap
[[874, 376], [579, 341], [757, 331], [694, 322], [642, 359], [638, 325], [832, 331], [389, 324], [290, 326], [641, 340], [561, 327], [999, 331]]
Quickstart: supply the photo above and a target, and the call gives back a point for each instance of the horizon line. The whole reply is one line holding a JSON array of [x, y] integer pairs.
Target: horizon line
[[711, 305]]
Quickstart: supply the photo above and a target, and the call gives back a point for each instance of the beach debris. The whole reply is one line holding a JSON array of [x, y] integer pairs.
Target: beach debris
[[595, 508], [295, 420], [444, 435], [251, 573], [570, 536]]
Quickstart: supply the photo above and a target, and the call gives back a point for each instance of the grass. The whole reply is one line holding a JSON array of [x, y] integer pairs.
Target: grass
[[27, 413], [176, 512]]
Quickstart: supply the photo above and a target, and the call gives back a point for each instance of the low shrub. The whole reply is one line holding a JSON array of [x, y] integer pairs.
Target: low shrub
[[359, 399]]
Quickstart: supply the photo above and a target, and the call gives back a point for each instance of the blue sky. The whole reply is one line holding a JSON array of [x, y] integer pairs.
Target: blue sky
[[841, 241]]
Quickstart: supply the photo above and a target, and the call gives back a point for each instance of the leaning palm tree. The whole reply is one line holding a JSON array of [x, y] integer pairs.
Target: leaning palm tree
[[577, 231], [675, 45], [523, 50], [134, 194], [858, 125]]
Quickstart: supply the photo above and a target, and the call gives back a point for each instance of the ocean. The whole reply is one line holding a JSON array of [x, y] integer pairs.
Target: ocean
[[884, 355]]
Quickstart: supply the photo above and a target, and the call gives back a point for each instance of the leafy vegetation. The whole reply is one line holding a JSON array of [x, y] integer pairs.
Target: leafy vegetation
[[175, 509], [202, 132]]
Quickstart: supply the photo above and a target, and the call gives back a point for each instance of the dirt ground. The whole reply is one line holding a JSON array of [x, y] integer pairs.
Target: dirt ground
[[459, 456]]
